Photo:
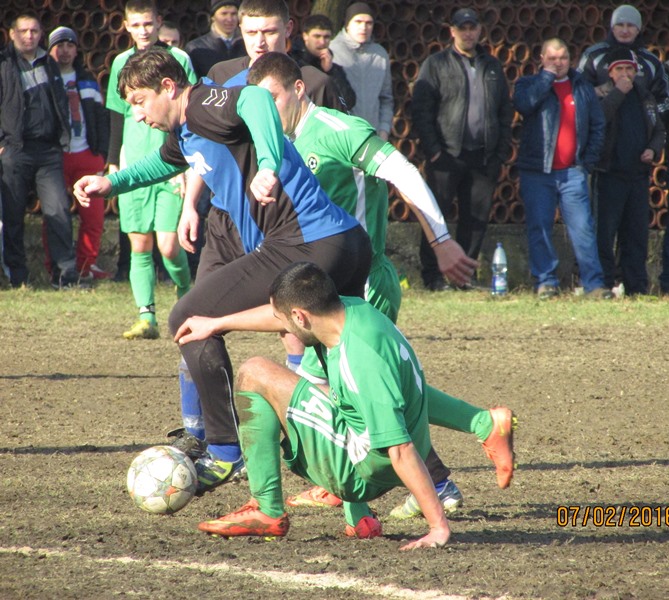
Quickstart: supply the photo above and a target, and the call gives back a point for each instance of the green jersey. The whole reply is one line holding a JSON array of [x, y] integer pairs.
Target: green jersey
[[344, 153], [377, 383], [144, 139]]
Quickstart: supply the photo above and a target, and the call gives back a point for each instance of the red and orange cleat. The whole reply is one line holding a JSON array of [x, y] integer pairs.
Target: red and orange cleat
[[248, 520], [316, 496], [498, 446], [366, 529]]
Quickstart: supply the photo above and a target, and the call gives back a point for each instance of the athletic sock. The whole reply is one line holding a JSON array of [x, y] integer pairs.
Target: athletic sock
[[354, 511], [225, 452], [179, 271], [447, 411], [259, 432], [142, 283], [191, 409], [293, 361]]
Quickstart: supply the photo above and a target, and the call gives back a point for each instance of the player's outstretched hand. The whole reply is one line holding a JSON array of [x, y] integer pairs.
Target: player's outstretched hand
[[89, 186], [194, 329], [263, 184], [437, 538], [454, 263], [189, 223]]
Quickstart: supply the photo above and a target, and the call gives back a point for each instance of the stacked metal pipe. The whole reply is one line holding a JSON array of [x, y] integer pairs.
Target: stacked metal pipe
[[410, 30]]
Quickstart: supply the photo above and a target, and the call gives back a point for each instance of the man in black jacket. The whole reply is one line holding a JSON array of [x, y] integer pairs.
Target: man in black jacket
[[89, 129], [34, 124], [221, 42], [313, 49], [462, 116]]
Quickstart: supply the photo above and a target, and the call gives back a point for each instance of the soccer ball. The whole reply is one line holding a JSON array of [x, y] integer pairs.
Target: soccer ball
[[162, 480]]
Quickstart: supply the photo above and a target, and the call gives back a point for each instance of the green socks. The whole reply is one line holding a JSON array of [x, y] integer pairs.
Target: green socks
[[179, 271], [259, 432], [354, 511], [447, 411], [143, 282]]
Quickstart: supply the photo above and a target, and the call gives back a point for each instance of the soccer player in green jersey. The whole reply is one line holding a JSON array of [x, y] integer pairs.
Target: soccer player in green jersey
[[352, 164], [156, 208], [364, 435]]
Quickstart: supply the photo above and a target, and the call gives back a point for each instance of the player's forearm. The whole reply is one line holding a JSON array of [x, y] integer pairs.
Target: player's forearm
[[260, 318], [267, 133], [411, 469], [151, 169], [194, 188], [396, 169]]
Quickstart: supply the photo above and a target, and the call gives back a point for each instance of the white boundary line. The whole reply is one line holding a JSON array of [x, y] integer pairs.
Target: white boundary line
[[285, 580]]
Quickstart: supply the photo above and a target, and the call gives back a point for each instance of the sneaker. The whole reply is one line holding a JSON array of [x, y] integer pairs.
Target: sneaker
[[600, 294], [366, 529], [142, 330], [498, 446], [248, 520], [97, 273], [317, 497], [212, 472], [546, 291], [437, 285], [67, 280], [450, 498], [190, 445]]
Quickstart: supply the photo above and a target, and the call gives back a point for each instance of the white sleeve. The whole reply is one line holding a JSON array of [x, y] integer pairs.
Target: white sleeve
[[396, 169]]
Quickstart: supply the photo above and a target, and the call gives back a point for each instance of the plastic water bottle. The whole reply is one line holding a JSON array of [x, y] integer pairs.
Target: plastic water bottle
[[500, 284]]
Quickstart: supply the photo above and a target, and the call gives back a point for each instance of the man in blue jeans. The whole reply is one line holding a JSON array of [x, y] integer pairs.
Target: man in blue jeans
[[562, 137]]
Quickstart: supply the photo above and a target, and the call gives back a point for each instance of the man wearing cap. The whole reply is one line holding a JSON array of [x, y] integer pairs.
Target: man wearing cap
[[462, 115], [367, 68], [635, 138], [89, 131], [221, 42], [561, 141], [35, 129]]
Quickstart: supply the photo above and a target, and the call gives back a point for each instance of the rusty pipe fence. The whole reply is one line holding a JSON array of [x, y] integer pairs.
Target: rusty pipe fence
[[411, 30]]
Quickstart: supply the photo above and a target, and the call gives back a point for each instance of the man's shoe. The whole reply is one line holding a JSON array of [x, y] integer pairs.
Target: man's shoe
[[366, 529], [211, 472], [97, 273], [190, 445], [317, 497], [68, 280], [437, 285], [450, 498], [498, 446], [546, 291], [600, 294], [248, 520], [142, 330], [121, 276]]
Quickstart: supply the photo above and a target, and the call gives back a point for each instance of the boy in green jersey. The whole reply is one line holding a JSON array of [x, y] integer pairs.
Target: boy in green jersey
[[352, 164], [154, 209]]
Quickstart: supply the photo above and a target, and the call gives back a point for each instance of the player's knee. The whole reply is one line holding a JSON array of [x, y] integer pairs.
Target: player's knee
[[252, 375], [177, 316]]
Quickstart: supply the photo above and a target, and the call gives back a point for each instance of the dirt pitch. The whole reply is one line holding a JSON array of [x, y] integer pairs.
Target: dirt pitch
[[78, 403]]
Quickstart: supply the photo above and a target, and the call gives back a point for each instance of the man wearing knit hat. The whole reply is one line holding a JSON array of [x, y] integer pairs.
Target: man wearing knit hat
[[634, 139], [89, 130], [367, 68], [221, 42], [626, 25]]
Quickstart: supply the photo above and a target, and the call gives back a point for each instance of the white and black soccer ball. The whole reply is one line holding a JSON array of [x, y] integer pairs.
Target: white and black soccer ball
[[162, 480]]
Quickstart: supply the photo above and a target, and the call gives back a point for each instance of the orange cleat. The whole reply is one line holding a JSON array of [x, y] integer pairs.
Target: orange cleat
[[366, 529], [498, 446], [317, 497], [248, 520]]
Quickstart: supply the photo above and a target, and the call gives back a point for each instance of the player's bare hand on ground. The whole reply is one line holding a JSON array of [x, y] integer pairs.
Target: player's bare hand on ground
[[437, 538], [454, 263], [195, 329], [90, 186], [189, 223], [263, 184]]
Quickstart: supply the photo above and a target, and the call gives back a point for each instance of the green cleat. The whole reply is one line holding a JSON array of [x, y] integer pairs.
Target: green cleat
[[142, 330]]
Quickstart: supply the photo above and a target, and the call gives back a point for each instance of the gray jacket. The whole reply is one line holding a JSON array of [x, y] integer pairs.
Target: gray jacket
[[367, 68]]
